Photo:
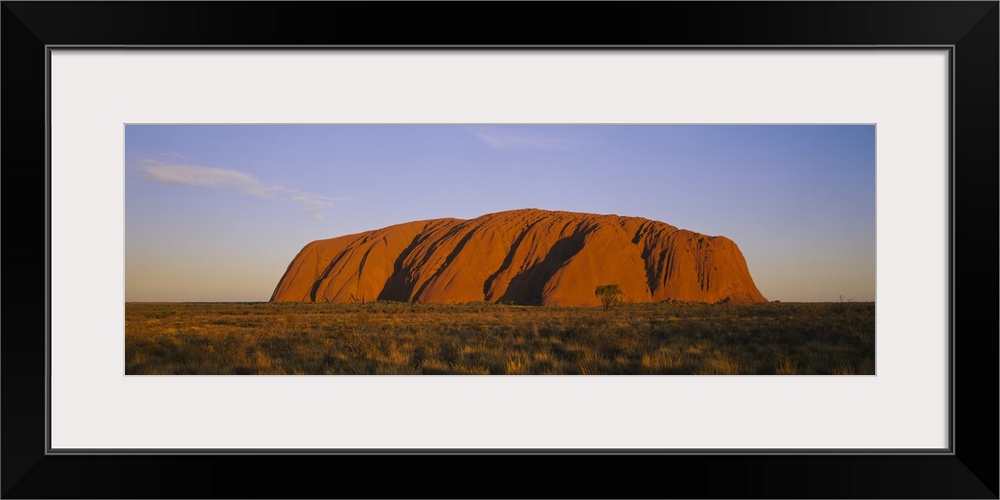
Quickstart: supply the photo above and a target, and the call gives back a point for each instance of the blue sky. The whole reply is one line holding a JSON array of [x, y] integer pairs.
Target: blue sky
[[216, 212]]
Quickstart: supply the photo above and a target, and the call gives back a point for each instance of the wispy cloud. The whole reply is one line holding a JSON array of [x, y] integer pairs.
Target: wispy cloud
[[509, 139], [234, 180]]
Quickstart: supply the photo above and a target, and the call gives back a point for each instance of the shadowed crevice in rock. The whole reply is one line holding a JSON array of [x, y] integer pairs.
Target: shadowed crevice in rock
[[447, 260], [326, 272], [399, 286], [526, 288], [508, 260]]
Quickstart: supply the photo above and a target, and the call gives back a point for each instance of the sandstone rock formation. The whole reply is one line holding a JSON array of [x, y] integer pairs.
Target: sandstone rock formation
[[531, 257]]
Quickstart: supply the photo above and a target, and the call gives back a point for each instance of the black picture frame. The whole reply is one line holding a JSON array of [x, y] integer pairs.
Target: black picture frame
[[969, 28]]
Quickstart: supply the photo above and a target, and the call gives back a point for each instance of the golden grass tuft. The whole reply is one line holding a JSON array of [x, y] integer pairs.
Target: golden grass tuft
[[785, 365], [720, 364]]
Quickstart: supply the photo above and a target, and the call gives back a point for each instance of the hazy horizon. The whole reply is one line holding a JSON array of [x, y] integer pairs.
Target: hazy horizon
[[215, 213]]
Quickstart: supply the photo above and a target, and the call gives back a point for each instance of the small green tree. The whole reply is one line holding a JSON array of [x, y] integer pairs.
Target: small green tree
[[610, 295]]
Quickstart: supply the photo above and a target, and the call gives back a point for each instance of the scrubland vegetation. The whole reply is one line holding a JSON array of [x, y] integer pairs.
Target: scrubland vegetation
[[390, 338]]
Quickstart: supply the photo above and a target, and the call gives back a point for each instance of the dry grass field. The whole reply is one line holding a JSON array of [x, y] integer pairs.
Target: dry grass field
[[390, 338]]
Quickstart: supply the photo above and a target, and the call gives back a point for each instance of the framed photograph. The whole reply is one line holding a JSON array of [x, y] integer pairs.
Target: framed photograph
[[728, 251]]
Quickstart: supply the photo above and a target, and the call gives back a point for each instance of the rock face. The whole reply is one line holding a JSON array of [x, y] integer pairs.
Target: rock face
[[530, 257]]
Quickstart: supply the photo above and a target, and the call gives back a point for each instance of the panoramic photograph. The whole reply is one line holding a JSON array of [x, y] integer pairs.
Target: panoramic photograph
[[496, 249]]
